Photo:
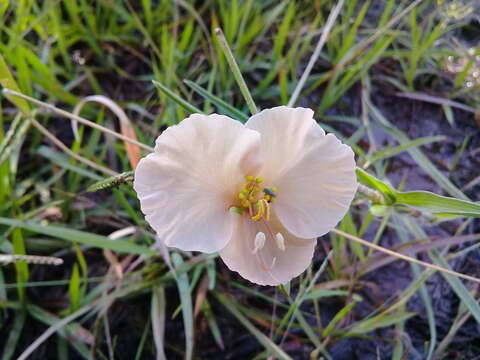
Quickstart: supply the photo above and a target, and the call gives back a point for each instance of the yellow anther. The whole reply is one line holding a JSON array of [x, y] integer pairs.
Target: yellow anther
[[251, 198], [249, 177], [274, 189], [244, 191], [245, 203], [259, 180], [260, 211], [267, 197], [241, 196]]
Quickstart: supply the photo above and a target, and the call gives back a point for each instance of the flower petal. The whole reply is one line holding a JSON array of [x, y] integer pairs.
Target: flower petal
[[187, 185], [292, 261], [314, 172]]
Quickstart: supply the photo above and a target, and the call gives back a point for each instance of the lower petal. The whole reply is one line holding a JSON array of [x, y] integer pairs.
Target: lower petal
[[269, 265]]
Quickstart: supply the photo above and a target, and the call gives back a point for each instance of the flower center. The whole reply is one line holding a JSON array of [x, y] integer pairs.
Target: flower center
[[256, 200]]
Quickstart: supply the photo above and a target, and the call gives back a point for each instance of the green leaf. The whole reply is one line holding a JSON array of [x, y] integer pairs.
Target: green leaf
[[79, 236], [434, 203], [7, 81], [73, 332], [183, 103], [186, 302], [219, 103], [371, 181], [14, 335], [74, 289], [158, 320], [260, 336], [441, 206], [379, 321], [392, 151]]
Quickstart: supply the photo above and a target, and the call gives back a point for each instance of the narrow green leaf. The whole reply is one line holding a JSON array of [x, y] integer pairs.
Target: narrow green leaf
[[186, 302], [74, 289], [14, 335], [371, 181], [434, 203], [389, 152], [183, 103], [264, 340], [227, 108], [82, 237], [379, 321], [7, 81], [338, 317], [158, 320]]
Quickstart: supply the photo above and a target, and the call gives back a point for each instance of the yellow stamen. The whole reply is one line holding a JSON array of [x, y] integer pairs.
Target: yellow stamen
[[241, 196], [267, 209], [249, 177], [260, 211], [258, 180]]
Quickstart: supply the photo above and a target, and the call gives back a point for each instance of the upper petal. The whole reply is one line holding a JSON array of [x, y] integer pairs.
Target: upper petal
[[314, 172], [257, 268], [187, 184]]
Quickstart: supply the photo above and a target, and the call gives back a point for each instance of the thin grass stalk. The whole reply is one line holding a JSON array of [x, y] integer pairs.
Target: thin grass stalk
[[316, 53], [405, 257], [236, 70], [79, 119], [69, 152]]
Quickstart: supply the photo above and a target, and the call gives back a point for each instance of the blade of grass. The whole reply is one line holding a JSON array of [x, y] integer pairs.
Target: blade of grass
[[158, 320], [183, 103], [227, 108], [261, 337], [316, 53], [86, 238], [186, 303], [406, 258], [236, 71]]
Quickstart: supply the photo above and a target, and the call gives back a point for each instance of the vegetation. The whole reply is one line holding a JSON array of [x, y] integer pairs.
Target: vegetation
[[396, 80]]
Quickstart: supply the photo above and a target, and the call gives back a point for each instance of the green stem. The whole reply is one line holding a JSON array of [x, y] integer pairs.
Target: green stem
[[236, 70]]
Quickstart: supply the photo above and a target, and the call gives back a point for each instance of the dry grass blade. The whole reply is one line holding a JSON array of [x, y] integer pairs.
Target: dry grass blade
[[316, 53], [66, 150], [436, 100], [126, 128], [379, 260], [405, 257], [79, 119], [52, 329], [201, 295]]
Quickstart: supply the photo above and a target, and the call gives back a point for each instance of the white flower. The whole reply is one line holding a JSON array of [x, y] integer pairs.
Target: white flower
[[259, 193]]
